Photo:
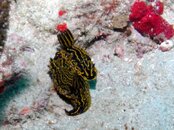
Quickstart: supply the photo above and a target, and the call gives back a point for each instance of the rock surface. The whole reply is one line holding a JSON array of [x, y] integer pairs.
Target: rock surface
[[132, 92]]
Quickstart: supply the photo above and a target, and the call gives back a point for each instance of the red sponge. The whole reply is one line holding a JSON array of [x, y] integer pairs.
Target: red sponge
[[159, 7], [138, 10], [61, 12], [147, 20], [61, 27]]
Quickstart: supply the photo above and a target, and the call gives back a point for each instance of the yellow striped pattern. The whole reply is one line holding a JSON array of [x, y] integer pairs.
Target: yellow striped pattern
[[70, 70], [66, 39], [83, 62]]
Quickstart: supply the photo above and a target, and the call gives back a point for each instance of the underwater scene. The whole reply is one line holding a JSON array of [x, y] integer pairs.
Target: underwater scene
[[86, 65]]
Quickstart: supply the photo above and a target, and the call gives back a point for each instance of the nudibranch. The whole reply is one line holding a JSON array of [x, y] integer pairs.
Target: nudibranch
[[73, 73]]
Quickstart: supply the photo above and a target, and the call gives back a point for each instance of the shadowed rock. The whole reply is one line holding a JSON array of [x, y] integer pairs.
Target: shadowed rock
[[4, 23]]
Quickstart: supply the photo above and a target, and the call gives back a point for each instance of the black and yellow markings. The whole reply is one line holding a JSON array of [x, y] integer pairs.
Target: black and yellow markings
[[70, 70], [66, 39], [83, 99], [84, 62]]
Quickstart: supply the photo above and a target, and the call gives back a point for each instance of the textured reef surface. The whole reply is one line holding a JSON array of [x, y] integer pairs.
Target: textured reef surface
[[134, 89]]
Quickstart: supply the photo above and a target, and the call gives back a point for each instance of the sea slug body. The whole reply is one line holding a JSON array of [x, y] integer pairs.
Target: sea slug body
[[73, 74]]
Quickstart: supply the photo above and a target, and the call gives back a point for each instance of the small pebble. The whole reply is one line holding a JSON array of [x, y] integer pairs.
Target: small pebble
[[120, 22], [25, 111], [166, 45], [50, 122], [119, 51]]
